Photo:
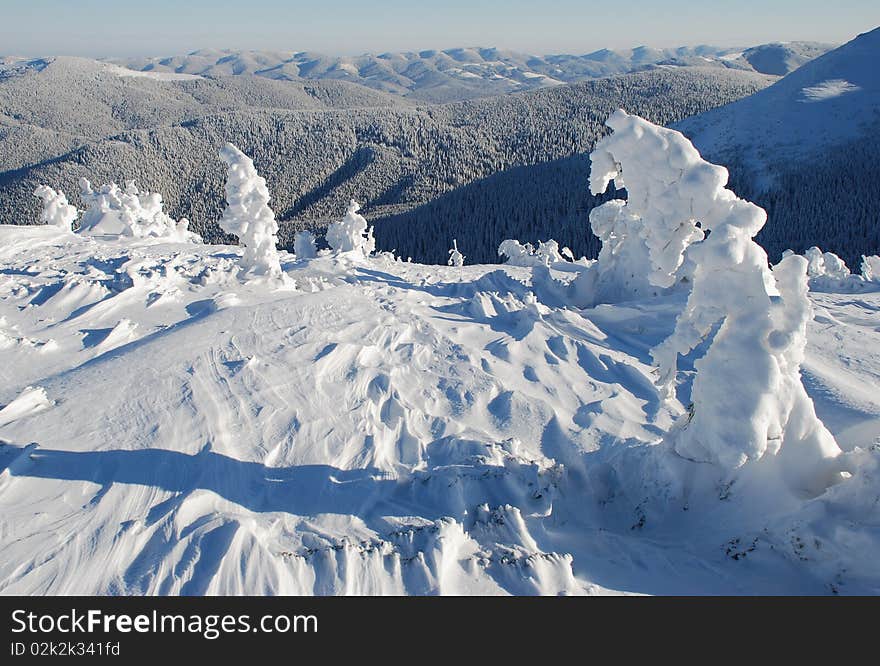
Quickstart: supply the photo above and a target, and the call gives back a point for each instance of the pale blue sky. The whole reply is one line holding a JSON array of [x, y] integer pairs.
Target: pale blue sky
[[169, 27]]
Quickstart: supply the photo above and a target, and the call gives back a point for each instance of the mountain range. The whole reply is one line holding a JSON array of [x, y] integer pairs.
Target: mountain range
[[463, 73]]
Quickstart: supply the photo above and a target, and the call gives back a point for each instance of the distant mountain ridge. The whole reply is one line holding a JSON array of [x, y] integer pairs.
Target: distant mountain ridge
[[463, 73]]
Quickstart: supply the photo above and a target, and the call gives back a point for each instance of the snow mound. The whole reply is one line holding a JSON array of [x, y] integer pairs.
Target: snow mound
[[31, 400]]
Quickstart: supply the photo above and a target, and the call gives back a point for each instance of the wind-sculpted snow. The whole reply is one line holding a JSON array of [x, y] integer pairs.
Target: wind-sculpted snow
[[351, 234], [56, 210], [387, 428], [669, 190]]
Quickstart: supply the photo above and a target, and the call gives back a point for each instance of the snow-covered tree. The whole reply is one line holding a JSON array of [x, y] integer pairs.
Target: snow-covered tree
[[128, 212], [456, 258], [351, 234], [747, 398], [669, 189], [248, 216], [304, 245], [871, 268], [57, 212], [619, 273]]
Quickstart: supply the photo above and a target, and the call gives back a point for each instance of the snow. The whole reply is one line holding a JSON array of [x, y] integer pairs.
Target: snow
[[746, 400], [125, 72], [824, 103], [304, 245], [385, 428], [545, 254], [871, 268], [669, 189], [829, 273], [32, 400], [456, 258]]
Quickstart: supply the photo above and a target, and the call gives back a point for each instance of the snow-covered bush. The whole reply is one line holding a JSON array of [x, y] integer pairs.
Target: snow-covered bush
[[57, 212], [351, 233], [669, 190], [871, 268], [304, 245], [829, 273], [825, 264], [747, 398], [248, 216], [545, 254], [130, 213], [456, 258]]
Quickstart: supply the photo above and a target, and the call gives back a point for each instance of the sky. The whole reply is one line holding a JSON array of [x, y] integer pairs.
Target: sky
[[104, 28]]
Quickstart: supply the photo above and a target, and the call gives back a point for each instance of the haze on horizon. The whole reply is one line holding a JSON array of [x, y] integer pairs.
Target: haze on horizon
[[101, 28]]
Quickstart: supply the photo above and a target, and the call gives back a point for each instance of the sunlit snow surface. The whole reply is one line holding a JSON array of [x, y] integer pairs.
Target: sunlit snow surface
[[828, 89], [383, 428]]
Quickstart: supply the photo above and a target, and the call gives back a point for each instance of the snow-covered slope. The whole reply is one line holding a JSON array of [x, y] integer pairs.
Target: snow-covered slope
[[806, 149], [783, 58], [829, 101], [379, 427]]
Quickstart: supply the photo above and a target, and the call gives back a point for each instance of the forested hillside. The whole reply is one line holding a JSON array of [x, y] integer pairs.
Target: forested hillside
[[317, 154]]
